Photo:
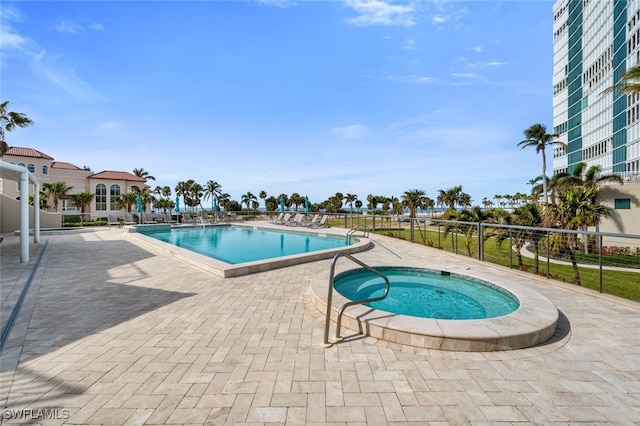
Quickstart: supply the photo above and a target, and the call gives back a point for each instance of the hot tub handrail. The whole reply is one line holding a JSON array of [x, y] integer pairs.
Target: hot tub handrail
[[326, 343]]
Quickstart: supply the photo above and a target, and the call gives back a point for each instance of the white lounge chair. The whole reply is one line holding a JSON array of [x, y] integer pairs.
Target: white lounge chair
[[276, 219], [319, 224], [148, 218], [167, 218], [298, 220], [128, 219], [113, 221], [285, 219]]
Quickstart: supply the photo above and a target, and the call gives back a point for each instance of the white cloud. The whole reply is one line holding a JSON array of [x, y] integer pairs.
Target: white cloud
[[351, 132], [477, 49], [379, 12], [97, 26], [465, 75], [488, 64], [69, 27], [410, 45], [64, 77], [109, 125], [439, 19], [413, 79]]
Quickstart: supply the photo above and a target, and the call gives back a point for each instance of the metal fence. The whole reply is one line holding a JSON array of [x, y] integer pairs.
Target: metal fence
[[606, 262]]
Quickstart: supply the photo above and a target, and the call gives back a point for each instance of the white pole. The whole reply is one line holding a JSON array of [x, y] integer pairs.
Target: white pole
[[36, 210], [24, 217]]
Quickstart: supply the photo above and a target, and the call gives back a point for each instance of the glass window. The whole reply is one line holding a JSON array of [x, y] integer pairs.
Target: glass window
[[114, 194], [45, 170], [101, 197], [31, 168], [622, 203]]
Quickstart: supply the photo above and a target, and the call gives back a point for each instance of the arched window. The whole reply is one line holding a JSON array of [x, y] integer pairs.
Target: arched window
[[45, 170], [101, 197], [21, 165], [31, 168], [114, 194]]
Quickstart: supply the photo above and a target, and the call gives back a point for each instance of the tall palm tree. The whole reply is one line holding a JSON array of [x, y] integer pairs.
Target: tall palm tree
[[9, 120], [349, 199], [538, 138], [82, 200], [212, 190], [413, 199], [263, 196], [142, 173], [126, 200], [450, 197], [629, 81], [248, 199], [182, 190], [588, 178], [574, 210], [56, 190]]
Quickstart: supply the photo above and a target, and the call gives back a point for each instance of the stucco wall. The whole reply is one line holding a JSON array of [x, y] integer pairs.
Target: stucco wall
[[10, 216]]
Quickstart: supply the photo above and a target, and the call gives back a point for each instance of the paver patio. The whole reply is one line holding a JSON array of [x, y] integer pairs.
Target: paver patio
[[111, 333]]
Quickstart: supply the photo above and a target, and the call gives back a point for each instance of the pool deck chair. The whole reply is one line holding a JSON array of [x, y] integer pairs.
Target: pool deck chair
[[128, 220], [276, 219], [319, 224], [298, 220], [147, 218], [204, 217], [167, 218], [284, 219], [186, 218], [112, 220]]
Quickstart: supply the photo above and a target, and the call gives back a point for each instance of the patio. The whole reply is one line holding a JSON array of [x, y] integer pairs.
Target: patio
[[113, 333]]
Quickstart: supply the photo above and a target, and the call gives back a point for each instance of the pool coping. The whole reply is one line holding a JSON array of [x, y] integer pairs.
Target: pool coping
[[533, 323], [227, 270]]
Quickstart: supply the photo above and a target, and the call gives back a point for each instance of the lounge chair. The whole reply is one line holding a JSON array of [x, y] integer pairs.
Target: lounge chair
[[204, 217], [298, 220], [167, 218], [285, 219], [128, 220], [276, 219], [148, 218], [186, 218], [319, 224], [113, 221]]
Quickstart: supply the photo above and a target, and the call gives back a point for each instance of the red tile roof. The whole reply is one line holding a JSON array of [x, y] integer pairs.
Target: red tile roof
[[113, 175], [27, 152], [63, 165]]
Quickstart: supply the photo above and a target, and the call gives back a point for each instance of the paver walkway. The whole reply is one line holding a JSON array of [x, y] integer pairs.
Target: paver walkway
[[110, 333]]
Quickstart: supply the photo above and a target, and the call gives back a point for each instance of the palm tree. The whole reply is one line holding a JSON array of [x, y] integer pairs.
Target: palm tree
[[212, 190], [9, 120], [263, 196], [349, 199], [82, 200], [629, 82], [126, 200], [537, 137], [413, 199], [574, 210], [450, 197], [142, 173], [248, 199], [56, 190], [587, 178]]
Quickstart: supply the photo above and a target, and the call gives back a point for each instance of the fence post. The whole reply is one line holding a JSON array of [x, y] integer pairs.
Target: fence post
[[411, 229], [480, 241], [439, 243], [600, 261], [510, 250], [548, 255]]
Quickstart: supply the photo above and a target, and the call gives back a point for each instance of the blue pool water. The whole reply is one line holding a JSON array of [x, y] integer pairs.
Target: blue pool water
[[427, 293], [240, 244]]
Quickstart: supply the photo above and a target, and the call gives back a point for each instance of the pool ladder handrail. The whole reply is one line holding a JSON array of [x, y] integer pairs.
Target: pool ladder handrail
[[355, 229], [327, 324]]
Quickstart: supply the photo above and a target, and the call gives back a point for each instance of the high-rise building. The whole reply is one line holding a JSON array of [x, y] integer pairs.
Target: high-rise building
[[594, 43]]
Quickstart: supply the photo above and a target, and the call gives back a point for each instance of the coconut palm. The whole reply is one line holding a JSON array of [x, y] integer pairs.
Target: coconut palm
[[349, 199], [629, 82], [212, 190], [451, 197], [248, 200], [574, 210], [263, 197], [82, 200], [538, 138], [9, 120], [56, 190], [142, 173], [413, 199], [587, 178]]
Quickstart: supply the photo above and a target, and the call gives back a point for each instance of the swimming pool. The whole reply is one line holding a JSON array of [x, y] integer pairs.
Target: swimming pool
[[534, 321], [427, 293], [234, 250]]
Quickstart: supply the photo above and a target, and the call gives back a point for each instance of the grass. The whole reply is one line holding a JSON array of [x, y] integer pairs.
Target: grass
[[618, 283]]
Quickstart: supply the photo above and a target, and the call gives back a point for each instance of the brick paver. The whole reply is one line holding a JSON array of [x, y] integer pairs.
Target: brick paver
[[114, 334]]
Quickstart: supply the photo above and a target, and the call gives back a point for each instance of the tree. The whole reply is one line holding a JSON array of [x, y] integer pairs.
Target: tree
[[212, 190], [413, 199], [587, 178], [248, 200], [629, 82], [574, 210], [538, 138], [126, 200], [82, 200], [263, 196], [452, 196], [349, 199], [56, 190], [142, 173], [9, 120]]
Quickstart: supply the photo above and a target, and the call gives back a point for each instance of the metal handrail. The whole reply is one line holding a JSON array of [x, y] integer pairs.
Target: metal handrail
[[355, 229], [327, 324]]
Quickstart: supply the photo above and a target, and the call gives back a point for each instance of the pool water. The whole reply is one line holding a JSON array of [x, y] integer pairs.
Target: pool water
[[240, 244], [427, 293]]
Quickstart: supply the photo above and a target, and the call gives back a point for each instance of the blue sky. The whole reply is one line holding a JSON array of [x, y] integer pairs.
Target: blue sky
[[314, 97]]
